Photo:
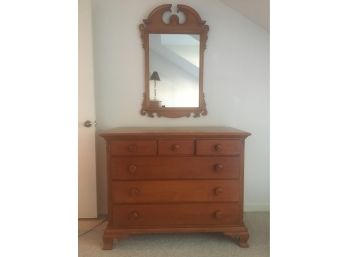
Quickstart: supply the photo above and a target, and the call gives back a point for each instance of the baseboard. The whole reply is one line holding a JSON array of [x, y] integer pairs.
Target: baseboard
[[256, 207], [99, 217]]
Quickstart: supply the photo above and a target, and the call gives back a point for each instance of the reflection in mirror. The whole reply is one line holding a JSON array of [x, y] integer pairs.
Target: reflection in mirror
[[174, 70]]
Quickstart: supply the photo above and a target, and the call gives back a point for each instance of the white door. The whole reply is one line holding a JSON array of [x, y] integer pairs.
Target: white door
[[87, 159]]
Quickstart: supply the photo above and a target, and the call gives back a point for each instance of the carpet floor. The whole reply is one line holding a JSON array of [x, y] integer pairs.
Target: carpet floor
[[178, 245]]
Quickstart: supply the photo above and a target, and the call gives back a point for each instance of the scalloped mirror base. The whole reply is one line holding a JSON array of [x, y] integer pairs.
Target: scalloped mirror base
[[174, 113]]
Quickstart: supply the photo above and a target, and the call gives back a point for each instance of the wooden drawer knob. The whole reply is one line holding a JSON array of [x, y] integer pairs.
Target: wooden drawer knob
[[218, 191], [132, 148], [134, 191], [175, 147], [218, 167], [133, 215], [218, 148], [132, 168], [218, 214]]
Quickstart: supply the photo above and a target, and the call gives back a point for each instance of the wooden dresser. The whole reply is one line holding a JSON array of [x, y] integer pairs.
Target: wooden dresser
[[165, 180]]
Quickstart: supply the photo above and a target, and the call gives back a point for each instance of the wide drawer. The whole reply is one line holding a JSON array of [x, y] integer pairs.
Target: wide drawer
[[175, 147], [219, 147], [176, 215], [175, 191], [132, 168], [136, 147]]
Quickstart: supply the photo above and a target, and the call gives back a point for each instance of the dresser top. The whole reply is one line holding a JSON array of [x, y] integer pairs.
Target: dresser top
[[168, 131]]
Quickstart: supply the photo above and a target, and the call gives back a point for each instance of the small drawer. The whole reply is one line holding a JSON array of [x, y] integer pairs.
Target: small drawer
[[174, 215], [176, 191], [135, 147], [219, 147], [175, 147]]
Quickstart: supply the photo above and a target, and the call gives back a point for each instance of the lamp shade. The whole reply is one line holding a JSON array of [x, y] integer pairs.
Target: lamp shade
[[154, 76]]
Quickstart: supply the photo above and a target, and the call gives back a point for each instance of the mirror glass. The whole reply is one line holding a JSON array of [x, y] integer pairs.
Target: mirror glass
[[174, 70]]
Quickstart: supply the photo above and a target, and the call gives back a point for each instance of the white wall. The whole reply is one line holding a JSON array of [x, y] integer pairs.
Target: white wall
[[236, 82]]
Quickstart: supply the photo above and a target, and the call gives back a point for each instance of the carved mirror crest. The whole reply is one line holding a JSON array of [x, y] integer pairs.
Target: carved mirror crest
[[174, 45]]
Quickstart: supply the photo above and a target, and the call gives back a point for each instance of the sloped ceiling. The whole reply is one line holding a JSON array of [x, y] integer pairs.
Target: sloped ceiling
[[255, 10]]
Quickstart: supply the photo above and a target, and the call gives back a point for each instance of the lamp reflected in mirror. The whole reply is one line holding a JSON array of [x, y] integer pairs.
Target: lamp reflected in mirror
[[155, 102], [155, 77]]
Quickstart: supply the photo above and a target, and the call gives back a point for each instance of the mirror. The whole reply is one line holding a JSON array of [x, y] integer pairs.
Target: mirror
[[174, 69], [174, 45]]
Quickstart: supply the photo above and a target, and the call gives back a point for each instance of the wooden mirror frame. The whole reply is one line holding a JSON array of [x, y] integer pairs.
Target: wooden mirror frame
[[193, 24]]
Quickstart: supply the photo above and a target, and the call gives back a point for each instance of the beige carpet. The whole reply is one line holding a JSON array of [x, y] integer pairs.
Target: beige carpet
[[178, 245]]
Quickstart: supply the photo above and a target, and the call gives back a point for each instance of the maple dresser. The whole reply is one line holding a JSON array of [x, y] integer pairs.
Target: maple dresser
[[166, 180]]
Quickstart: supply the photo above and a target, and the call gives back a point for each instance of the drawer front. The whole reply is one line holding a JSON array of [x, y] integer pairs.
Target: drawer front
[[133, 168], [219, 147], [176, 215], [176, 191], [175, 147], [136, 147]]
